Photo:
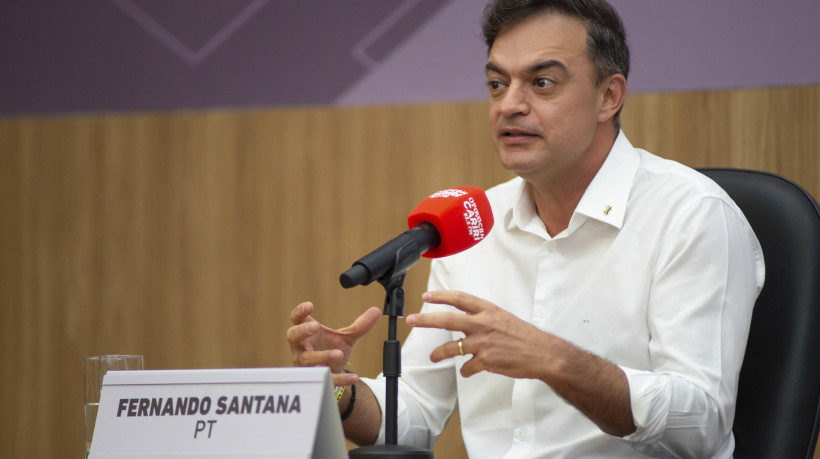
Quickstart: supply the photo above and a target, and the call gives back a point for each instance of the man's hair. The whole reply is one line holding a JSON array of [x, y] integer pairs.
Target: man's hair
[[606, 37]]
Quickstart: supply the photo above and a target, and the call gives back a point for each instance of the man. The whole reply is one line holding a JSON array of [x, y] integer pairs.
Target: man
[[607, 312]]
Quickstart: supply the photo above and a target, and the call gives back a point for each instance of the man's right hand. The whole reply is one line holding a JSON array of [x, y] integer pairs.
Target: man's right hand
[[313, 344]]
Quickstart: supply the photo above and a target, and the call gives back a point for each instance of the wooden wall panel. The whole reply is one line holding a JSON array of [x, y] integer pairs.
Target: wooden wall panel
[[189, 236], [772, 129]]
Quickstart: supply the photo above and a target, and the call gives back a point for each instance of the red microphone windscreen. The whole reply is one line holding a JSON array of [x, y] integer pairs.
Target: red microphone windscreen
[[461, 215]]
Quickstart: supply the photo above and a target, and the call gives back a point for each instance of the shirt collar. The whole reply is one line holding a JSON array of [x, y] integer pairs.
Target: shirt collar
[[605, 198]]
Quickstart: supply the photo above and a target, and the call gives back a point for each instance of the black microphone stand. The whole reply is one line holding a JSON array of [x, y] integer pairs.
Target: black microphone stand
[[393, 283]]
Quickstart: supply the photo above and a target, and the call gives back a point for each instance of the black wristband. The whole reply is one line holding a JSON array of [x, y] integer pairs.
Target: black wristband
[[349, 409]]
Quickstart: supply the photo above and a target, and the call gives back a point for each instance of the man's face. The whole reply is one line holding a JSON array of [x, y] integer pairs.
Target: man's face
[[544, 104]]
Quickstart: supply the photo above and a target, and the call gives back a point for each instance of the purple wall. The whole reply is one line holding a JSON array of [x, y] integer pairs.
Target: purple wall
[[676, 46], [100, 55]]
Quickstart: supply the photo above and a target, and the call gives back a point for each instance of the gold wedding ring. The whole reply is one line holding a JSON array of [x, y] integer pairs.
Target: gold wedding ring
[[460, 347]]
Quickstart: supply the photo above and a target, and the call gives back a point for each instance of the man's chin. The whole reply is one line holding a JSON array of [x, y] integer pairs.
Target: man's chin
[[518, 161]]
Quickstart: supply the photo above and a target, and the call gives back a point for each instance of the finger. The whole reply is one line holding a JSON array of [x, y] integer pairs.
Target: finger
[[301, 312], [471, 367], [363, 324], [297, 333], [446, 351], [333, 358], [463, 301], [345, 379], [447, 320]]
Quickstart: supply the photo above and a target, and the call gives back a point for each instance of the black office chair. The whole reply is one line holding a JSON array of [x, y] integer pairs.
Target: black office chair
[[778, 400]]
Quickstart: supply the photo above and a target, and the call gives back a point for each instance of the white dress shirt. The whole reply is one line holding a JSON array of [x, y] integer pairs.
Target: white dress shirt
[[657, 272]]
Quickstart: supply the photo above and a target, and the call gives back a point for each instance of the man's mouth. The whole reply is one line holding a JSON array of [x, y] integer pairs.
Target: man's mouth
[[517, 133]]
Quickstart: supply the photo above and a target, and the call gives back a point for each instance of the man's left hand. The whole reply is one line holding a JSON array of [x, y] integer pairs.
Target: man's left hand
[[499, 341], [502, 343]]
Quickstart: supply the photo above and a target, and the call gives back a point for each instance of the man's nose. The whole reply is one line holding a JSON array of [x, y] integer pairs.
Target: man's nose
[[515, 101]]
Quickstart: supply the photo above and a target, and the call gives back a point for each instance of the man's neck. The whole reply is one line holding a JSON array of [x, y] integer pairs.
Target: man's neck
[[556, 202]]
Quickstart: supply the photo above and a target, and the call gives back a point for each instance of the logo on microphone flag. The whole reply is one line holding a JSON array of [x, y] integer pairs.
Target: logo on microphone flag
[[473, 219], [448, 193]]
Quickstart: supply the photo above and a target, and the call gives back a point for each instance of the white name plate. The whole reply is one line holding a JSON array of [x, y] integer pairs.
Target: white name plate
[[247, 413]]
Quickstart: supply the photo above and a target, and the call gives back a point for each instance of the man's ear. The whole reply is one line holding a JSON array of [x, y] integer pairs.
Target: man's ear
[[614, 93]]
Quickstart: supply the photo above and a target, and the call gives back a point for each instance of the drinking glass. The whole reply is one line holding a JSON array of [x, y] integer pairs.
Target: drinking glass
[[95, 368]]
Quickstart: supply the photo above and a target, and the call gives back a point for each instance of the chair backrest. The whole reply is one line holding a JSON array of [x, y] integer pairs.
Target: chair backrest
[[778, 400]]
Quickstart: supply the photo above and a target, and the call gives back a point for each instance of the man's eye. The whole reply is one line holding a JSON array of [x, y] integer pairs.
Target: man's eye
[[493, 85], [543, 83]]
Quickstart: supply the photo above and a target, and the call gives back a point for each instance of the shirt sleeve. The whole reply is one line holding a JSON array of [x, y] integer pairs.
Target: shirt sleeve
[[427, 391], [708, 273]]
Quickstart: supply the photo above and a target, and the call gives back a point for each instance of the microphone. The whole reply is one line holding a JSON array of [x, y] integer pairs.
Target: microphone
[[445, 223]]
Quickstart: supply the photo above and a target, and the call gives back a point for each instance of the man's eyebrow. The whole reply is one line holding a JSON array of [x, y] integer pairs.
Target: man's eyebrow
[[491, 67], [535, 68], [545, 65]]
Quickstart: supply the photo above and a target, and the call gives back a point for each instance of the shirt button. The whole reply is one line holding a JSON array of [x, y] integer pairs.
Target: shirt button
[[539, 312], [521, 435]]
